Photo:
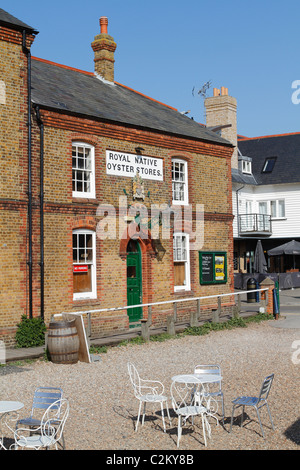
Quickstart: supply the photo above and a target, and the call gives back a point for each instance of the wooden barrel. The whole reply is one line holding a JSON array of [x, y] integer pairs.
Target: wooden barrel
[[63, 342]]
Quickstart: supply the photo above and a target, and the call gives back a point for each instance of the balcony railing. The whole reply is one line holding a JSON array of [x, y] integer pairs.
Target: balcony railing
[[255, 224]]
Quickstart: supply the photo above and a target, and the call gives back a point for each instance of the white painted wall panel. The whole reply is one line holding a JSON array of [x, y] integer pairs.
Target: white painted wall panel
[[289, 226]]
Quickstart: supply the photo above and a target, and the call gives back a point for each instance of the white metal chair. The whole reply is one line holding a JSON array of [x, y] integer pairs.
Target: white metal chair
[[188, 400], [43, 397], [256, 402], [147, 391], [49, 432], [213, 390]]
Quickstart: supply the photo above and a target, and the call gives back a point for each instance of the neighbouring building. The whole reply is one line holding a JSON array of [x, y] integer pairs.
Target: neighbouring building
[[108, 198], [265, 193]]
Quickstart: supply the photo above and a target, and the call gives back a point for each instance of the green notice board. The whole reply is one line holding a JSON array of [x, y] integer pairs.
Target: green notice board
[[213, 267]]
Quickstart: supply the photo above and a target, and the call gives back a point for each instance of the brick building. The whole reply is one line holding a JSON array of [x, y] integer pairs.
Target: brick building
[[108, 198]]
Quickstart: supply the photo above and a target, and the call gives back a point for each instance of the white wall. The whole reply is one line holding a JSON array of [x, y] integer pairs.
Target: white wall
[[289, 226]]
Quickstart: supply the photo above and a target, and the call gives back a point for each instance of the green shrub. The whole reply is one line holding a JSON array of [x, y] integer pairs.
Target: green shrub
[[94, 349], [30, 332]]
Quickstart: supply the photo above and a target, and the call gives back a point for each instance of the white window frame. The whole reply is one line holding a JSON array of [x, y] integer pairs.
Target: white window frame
[[185, 199], [247, 167], [274, 203], [181, 256], [93, 293], [91, 171]]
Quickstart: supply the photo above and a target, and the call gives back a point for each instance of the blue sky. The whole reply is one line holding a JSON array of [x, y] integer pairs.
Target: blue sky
[[167, 48]]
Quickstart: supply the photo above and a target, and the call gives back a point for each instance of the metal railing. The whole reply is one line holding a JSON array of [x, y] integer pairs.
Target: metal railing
[[172, 319], [255, 223]]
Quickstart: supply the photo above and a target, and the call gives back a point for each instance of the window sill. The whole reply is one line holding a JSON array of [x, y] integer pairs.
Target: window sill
[[278, 218], [179, 292], [180, 203], [84, 299]]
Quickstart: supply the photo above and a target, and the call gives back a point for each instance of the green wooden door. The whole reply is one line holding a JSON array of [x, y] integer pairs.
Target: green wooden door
[[134, 280]]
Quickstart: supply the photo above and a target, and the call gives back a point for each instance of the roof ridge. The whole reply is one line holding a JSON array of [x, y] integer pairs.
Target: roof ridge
[[63, 66], [268, 136]]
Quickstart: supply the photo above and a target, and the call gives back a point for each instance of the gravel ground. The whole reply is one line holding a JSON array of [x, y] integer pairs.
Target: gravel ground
[[103, 409]]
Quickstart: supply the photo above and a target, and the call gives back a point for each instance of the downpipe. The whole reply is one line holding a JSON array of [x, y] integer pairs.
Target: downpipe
[[29, 193]]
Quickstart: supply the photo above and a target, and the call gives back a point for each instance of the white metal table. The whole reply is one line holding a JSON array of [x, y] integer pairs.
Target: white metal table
[[205, 379], [195, 378], [6, 408]]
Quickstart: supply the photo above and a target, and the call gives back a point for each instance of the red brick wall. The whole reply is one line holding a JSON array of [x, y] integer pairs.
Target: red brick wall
[[209, 180]]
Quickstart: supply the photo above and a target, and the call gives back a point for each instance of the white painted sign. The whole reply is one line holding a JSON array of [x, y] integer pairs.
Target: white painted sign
[[128, 164]]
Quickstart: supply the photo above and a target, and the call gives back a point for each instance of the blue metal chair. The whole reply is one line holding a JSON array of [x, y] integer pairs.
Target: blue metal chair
[[256, 402], [48, 433], [42, 399]]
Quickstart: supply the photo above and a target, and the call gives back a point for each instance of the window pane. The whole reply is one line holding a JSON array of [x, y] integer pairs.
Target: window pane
[[281, 208], [88, 160], [79, 185], [80, 163], [273, 208], [262, 208], [74, 240], [131, 272], [89, 254]]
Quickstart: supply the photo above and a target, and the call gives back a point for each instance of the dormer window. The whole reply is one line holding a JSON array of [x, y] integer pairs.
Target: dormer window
[[247, 166]]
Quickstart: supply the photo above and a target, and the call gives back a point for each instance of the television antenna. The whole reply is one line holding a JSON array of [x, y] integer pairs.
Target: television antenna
[[202, 90]]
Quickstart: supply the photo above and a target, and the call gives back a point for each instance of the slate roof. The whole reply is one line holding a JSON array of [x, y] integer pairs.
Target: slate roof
[[285, 147], [68, 90], [243, 178], [7, 19], [71, 91]]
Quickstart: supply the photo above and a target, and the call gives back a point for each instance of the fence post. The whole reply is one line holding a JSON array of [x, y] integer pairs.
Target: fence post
[[198, 310], [175, 311], [216, 313], [193, 318], [149, 320], [237, 307], [171, 325], [145, 330], [145, 325], [194, 315]]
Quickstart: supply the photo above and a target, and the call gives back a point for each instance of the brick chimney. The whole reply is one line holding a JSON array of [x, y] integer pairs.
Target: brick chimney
[[104, 48], [221, 109]]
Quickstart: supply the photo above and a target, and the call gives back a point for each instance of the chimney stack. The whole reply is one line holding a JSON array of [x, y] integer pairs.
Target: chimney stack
[[221, 109], [104, 48]]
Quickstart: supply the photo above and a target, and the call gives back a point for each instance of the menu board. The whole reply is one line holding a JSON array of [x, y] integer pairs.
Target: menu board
[[212, 267], [207, 267]]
